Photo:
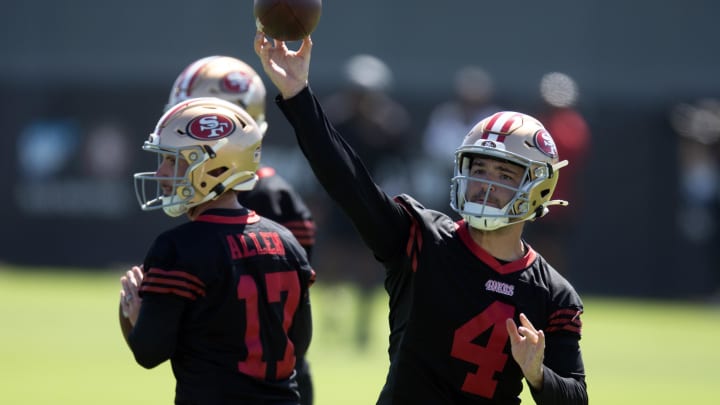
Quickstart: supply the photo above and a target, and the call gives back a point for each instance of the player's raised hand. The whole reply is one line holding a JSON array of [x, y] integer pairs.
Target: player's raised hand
[[528, 349], [129, 299], [288, 70]]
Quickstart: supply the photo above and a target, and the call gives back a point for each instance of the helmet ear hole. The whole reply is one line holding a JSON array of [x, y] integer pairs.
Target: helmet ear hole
[[217, 172]]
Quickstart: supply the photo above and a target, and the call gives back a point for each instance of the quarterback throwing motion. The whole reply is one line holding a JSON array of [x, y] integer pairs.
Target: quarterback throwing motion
[[473, 308]]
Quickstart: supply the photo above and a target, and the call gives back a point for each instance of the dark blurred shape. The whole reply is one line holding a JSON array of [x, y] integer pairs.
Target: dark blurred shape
[[698, 209], [378, 128], [447, 125], [375, 124], [69, 176], [556, 234]]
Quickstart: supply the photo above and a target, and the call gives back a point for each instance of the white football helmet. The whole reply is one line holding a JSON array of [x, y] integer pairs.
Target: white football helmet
[[221, 144], [224, 77], [516, 138]]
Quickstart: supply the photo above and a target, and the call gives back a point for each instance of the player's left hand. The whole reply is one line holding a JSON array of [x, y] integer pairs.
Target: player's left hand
[[129, 299], [528, 349]]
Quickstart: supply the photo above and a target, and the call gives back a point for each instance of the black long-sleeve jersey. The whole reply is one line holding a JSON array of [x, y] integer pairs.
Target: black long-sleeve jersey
[[226, 299], [449, 298], [273, 197]]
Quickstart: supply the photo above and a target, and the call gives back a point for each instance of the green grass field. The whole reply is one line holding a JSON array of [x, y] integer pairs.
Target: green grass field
[[60, 344]]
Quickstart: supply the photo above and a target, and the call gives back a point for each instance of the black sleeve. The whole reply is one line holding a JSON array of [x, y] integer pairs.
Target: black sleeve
[[381, 222], [301, 331], [154, 336], [563, 374]]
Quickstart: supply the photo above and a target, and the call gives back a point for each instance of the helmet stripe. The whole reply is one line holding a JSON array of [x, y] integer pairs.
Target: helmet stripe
[[500, 123], [191, 74], [510, 120], [503, 122], [493, 119]]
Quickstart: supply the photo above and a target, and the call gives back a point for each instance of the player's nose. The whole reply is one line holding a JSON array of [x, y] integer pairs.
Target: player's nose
[[486, 188]]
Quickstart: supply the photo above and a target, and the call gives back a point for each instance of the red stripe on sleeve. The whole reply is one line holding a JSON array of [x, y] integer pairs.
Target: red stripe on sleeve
[[168, 290], [171, 283], [175, 273], [304, 231], [567, 319], [176, 282]]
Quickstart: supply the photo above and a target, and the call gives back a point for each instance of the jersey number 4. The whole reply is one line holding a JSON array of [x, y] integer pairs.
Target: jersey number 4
[[489, 358], [276, 284]]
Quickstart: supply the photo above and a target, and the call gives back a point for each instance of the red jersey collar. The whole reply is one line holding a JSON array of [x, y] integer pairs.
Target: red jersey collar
[[229, 217], [507, 268]]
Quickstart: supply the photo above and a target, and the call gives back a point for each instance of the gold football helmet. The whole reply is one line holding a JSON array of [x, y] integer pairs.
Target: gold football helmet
[[219, 141], [224, 77], [519, 139]]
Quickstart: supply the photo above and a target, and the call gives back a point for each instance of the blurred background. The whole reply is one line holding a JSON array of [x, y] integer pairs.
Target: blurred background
[[629, 90]]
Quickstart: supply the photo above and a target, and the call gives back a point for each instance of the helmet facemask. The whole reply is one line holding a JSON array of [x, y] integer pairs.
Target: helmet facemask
[[479, 213], [515, 143], [149, 186]]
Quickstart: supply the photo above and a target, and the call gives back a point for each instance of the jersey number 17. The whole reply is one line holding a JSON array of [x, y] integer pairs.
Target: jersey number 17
[[276, 284]]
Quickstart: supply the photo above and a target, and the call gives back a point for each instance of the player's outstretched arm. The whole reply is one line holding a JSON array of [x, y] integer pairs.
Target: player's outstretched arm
[[288, 70], [382, 223]]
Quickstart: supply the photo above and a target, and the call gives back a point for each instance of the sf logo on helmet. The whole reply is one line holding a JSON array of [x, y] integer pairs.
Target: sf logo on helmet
[[545, 143], [210, 126], [236, 82]]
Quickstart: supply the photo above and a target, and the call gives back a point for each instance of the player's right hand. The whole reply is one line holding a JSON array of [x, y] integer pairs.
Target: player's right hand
[[129, 299], [288, 70]]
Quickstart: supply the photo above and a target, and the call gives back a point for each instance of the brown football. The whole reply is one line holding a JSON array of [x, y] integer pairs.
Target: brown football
[[287, 20]]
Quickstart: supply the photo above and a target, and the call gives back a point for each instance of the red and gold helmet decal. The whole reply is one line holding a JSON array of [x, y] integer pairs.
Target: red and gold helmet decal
[[210, 127], [236, 82], [545, 143]]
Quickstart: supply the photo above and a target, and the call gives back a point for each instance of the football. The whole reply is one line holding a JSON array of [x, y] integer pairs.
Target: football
[[287, 20]]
